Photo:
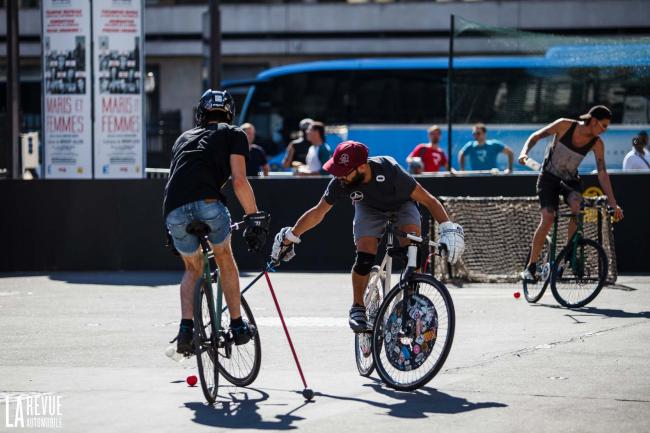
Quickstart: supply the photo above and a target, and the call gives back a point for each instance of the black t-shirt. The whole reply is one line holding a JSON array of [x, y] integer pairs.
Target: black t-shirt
[[256, 161], [389, 188], [201, 164], [300, 149]]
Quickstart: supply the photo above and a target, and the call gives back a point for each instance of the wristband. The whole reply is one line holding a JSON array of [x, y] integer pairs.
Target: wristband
[[288, 235]]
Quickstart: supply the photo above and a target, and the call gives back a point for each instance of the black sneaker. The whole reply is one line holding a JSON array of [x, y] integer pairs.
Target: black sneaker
[[358, 320], [243, 333], [185, 341]]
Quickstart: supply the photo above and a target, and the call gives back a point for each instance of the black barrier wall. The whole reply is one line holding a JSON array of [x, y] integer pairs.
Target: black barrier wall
[[117, 225]]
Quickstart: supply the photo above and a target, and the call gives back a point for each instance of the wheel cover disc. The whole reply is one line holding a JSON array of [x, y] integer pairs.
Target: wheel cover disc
[[409, 345]]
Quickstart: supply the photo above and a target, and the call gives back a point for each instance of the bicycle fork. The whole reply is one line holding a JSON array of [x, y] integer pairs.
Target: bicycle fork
[[410, 268]]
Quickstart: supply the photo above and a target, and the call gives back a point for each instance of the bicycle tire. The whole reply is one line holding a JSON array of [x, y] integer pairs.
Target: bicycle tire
[[443, 335], [251, 351], [363, 340], [563, 285], [205, 340], [533, 292]]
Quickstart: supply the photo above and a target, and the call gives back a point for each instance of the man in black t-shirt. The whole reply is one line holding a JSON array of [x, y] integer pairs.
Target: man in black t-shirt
[[379, 189], [257, 162], [203, 159]]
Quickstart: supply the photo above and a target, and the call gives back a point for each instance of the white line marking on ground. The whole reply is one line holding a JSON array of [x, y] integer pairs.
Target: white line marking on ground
[[304, 322]]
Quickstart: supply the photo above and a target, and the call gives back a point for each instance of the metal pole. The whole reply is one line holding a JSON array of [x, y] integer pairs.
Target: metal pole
[[450, 72], [215, 45], [13, 92]]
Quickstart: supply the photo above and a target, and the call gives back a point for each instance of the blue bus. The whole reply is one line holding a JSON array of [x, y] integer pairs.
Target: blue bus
[[388, 103]]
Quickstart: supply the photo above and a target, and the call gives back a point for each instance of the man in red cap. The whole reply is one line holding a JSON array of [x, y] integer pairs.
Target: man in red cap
[[379, 189]]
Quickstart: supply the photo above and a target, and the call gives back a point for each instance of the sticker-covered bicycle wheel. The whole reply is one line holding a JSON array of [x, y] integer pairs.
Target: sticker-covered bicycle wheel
[[409, 344]]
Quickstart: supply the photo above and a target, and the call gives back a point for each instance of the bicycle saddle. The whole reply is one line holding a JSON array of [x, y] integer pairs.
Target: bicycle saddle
[[198, 228]]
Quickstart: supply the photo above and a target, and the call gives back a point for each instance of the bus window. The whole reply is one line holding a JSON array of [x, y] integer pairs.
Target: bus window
[[278, 105], [625, 92], [494, 96], [397, 97]]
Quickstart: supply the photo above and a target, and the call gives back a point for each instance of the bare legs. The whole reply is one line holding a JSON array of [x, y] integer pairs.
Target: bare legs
[[229, 279], [545, 224]]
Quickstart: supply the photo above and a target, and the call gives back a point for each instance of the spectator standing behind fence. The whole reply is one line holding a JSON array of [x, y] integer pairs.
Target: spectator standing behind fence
[[257, 162], [482, 153], [319, 152], [432, 157], [638, 158], [296, 153]]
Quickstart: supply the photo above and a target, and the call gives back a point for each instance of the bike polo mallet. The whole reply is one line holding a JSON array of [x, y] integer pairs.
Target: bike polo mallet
[[270, 266], [306, 392]]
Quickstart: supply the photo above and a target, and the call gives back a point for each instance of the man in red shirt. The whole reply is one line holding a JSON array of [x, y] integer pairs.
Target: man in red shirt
[[432, 157]]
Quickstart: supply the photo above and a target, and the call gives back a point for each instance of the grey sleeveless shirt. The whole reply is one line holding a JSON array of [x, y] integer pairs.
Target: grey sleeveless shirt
[[563, 157]]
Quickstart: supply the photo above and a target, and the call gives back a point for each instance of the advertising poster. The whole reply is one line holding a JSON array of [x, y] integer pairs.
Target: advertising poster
[[118, 89], [67, 128]]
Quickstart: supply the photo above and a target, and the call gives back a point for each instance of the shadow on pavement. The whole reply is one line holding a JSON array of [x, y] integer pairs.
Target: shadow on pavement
[[147, 279], [125, 278], [240, 409], [594, 311], [417, 404], [622, 287]]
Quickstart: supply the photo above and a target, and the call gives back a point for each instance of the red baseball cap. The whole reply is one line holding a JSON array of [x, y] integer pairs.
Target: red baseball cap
[[347, 156]]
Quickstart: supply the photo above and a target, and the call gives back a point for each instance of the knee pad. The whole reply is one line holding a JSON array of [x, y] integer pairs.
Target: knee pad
[[363, 263]]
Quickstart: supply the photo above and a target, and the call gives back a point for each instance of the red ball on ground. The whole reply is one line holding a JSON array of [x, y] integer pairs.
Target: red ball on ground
[[191, 380], [517, 295]]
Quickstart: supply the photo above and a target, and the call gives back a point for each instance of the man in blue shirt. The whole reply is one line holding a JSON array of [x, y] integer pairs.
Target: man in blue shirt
[[482, 153]]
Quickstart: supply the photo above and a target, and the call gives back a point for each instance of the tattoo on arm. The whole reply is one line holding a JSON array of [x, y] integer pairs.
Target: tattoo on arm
[[600, 164], [544, 134]]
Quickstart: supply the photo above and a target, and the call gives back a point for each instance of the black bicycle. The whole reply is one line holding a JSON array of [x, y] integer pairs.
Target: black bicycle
[[411, 328], [214, 345], [579, 272]]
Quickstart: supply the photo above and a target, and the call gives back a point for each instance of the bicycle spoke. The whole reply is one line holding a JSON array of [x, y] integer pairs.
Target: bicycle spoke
[[578, 279], [239, 364]]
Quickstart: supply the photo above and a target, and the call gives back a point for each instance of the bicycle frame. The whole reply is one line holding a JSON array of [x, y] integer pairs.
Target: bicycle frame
[[208, 276], [386, 267], [577, 235]]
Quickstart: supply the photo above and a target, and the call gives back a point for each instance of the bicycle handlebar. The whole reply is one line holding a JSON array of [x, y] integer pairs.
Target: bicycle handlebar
[[237, 226], [419, 239], [592, 202]]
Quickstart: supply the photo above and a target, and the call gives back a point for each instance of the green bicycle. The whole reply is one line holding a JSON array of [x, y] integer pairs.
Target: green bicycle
[[214, 346], [578, 273]]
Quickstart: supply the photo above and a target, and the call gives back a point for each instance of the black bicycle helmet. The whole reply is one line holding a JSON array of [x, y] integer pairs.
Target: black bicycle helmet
[[215, 100]]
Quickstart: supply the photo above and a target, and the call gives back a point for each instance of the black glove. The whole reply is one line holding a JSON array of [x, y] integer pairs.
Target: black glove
[[256, 231]]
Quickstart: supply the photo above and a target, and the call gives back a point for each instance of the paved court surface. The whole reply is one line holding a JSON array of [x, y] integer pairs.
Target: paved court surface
[[93, 344]]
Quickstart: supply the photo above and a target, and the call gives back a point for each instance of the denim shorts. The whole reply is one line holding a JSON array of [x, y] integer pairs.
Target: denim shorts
[[214, 214]]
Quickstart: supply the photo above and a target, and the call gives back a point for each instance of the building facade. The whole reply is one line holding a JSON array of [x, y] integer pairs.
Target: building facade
[[258, 35]]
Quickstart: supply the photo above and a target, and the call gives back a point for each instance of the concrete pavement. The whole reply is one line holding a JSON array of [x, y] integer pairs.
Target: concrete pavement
[[95, 342]]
